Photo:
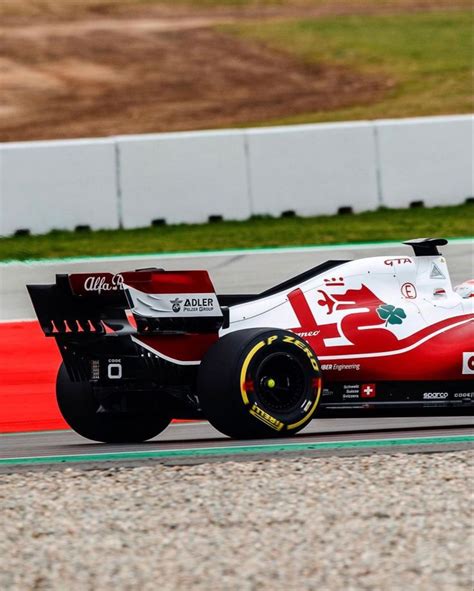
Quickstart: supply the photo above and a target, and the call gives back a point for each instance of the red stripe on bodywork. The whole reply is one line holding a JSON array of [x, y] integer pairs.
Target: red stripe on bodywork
[[307, 320]]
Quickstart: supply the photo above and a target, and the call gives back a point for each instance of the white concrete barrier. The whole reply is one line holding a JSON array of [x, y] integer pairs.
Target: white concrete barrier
[[312, 169], [188, 177], [183, 177], [57, 185], [428, 159]]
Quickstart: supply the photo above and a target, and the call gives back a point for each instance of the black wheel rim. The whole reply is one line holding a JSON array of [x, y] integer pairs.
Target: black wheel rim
[[280, 382]]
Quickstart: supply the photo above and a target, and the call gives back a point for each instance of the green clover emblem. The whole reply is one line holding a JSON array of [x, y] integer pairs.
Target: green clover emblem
[[390, 314]]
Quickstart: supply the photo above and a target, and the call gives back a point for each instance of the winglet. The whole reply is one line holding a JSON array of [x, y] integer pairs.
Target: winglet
[[424, 247]]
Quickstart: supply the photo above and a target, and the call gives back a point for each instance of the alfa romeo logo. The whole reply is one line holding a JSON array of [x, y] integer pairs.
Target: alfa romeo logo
[[103, 283]]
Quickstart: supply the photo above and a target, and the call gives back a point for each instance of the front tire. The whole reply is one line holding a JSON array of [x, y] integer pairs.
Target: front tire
[[85, 415], [259, 383]]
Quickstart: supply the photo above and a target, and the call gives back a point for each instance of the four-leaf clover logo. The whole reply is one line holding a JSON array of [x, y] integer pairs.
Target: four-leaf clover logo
[[390, 314]]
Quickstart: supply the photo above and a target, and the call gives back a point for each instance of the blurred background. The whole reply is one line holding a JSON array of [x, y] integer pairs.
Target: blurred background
[[88, 68]]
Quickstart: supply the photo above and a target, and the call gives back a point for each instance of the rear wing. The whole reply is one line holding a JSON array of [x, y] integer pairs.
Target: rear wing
[[144, 301]]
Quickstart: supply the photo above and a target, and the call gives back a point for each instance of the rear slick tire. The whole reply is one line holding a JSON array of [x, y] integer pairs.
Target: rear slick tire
[[80, 410], [259, 383]]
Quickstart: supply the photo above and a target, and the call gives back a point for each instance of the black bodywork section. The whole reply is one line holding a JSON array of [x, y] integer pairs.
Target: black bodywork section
[[436, 397], [426, 247], [59, 311], [93, 336]]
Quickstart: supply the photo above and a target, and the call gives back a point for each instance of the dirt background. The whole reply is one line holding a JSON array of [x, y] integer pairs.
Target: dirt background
[[97, 68]]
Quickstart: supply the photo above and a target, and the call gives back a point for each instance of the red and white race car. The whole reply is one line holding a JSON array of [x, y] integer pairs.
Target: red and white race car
[[143, 347]]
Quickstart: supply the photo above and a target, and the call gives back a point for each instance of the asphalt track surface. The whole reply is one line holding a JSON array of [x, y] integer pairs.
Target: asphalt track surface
[[236, 272]]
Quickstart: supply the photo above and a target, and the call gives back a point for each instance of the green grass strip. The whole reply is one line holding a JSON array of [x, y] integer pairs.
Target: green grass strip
[[264, 232], [420, 61], [223, 252], [238, 450]]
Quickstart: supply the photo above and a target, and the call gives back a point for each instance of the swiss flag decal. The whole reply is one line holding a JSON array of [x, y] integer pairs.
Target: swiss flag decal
[[368, 391]]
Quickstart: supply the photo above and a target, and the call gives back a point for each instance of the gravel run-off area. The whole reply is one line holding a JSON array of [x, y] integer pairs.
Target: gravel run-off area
[[391, 522]]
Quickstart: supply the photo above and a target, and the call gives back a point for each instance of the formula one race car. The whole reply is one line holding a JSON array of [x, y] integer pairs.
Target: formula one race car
[[143, 347]]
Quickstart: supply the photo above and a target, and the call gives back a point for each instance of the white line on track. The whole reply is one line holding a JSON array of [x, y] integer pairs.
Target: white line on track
[[226, 447]]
